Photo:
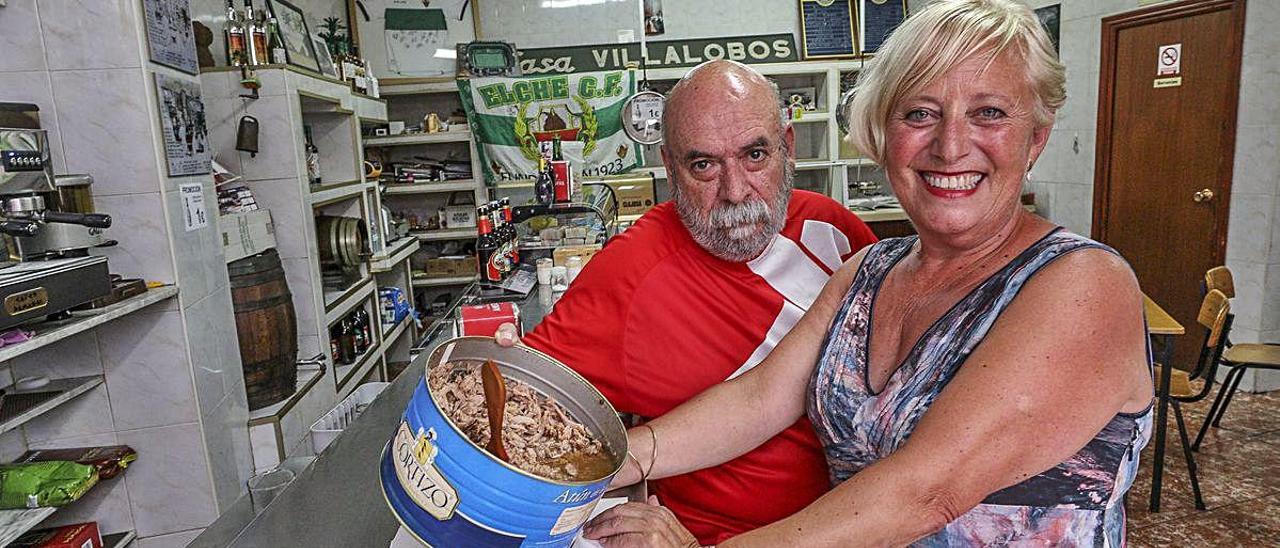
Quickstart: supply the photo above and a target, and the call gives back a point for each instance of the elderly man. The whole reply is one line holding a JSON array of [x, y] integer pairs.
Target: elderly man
[[700, 290]]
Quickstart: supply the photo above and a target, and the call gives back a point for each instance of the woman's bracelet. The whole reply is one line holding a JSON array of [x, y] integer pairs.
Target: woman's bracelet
[[653, 452]]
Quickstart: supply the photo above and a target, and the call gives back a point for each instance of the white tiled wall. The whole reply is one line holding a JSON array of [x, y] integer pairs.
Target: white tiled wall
[[169, 369]]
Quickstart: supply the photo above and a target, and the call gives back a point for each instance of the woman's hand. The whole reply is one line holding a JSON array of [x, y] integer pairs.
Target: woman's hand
[[506, 335], [640, 526]]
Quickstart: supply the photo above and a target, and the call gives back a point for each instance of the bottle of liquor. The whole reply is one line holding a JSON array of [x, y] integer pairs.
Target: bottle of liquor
[[313, 157], [560, 170], [275, 42], [513, 235], [360, 80], [233, 32], [348, 65], [256, 36], [544, 183], [500, 237], [486, 249], [347, 352]]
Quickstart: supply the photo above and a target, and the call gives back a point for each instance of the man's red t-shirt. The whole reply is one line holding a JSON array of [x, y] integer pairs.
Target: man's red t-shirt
[[654, 319]]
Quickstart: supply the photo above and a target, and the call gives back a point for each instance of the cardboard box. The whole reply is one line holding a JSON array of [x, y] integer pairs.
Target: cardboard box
[[79, 535], [561, 254], [635, 195], [247, 233], [451, 267]]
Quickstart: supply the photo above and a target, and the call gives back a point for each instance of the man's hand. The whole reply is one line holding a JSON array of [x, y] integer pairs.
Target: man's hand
[[636, 525], [506, 335]]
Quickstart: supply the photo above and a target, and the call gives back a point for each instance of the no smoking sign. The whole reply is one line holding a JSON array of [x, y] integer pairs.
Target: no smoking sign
[[1169, 60]]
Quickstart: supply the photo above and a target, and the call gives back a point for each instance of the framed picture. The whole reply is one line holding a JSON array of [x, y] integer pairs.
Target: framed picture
[[1050, 17], [828, 29], [295, 34], [170, 41], [412, 41], [186, 136], [323, 58]]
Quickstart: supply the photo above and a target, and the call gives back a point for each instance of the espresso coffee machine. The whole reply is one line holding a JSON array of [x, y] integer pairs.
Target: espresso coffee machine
[[48, 226]]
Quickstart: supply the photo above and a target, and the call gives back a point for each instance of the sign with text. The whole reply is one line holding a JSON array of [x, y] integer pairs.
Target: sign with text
[[770, 48], [827, 27], [1169, 60]]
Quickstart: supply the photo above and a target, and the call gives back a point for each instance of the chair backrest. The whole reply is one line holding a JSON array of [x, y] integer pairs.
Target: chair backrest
[[1215, 315], [1219, 277]]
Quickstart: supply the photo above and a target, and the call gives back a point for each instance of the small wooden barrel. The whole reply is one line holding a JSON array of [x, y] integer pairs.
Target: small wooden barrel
[[267, 327]]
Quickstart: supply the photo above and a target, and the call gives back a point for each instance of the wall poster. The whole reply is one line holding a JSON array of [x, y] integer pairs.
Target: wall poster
[[1050, 17], [170, 41], [412, 40], [828, 29], [182, 121]]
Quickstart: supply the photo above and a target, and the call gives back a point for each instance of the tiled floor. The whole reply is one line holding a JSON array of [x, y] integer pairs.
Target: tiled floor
[[1239, 467]]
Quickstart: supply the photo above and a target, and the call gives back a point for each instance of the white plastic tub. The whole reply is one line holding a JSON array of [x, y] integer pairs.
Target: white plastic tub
[[327, 427]]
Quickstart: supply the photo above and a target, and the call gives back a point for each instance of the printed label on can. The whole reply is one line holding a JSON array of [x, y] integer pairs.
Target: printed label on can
[[416, 470], [571, 518]]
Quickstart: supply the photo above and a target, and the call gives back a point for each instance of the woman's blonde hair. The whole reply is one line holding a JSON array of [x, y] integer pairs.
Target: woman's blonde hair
[[935, 40]]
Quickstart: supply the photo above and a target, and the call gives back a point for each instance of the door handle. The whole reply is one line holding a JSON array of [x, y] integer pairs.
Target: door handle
[[1202, 195]]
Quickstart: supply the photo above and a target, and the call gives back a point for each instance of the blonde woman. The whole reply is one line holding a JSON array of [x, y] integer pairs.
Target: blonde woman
[[984, 383]]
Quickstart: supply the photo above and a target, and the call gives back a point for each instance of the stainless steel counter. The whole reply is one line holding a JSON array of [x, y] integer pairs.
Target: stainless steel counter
[[336, 499]]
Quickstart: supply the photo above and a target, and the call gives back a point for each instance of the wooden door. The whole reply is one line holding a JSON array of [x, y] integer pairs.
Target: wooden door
[[1166, 146]]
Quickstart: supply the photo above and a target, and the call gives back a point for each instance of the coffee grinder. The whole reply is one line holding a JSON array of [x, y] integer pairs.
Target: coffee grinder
[[48, 226]]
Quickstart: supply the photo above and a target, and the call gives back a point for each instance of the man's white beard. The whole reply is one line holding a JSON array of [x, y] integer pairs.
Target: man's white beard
[[729, 231]]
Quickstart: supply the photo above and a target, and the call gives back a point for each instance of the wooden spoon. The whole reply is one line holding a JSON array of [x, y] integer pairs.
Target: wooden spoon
[[495, 399]]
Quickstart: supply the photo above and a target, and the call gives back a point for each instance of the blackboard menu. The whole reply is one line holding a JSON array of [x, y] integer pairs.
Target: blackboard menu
[[828, 28], [879, 18]]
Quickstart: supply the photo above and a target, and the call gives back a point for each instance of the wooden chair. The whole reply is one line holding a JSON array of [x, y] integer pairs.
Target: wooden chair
[[1239, 358], [1215, 316]]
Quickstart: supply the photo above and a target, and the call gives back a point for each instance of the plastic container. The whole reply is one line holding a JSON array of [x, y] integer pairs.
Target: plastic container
[[448, 491], [327, 427]]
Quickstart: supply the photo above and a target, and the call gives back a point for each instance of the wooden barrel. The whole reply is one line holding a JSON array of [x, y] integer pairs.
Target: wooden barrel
[[267, 327]]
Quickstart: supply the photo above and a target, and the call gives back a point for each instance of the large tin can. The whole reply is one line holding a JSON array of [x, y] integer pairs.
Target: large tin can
[[449, 492]]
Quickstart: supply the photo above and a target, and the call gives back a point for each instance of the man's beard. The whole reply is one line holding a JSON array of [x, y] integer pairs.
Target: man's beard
[[728, 231]]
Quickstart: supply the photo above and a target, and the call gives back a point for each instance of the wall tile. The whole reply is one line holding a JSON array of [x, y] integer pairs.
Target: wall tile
[[1246, 240], [1079, 42], [207, 365], [265, 447], [169, 485], [89, 440], [71, 357], [12, 445], [148, 372], [175, 540], [92, 34], [101, 107], [1247, 306], [298, 275], [1080, 112], [1271, 300], [1074, 207], [226, 434], [1274, 254], [35, 87], [284, 199], [87, 414], [1260, 22], [1257, 161], [139, 225], [277, 156], [198, 258], [23, 49], [1259, 78]]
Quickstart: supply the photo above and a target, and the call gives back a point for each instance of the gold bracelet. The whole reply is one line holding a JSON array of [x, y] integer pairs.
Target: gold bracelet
[[653, 452]]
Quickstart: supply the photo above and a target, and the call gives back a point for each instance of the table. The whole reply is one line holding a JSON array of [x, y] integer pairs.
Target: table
[[1160, 324]]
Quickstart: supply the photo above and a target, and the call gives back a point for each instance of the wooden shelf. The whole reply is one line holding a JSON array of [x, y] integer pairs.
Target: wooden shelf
[[445, 234], [389, 337], [455, 136], [401, 250], [50, 332], [421, 280], [308, 376], [450, 86], [337, 192], [349, 299], [21, 406], [428, 188], [813, 117]]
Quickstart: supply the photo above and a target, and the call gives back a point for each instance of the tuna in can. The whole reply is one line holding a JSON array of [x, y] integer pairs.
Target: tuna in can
[[448, 491]]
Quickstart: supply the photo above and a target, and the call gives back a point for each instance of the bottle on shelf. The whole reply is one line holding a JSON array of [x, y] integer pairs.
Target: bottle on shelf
[[513, 235], [544, 183], [233, 33], [486, 249], [275, 42], [313, 157], [256, 36]]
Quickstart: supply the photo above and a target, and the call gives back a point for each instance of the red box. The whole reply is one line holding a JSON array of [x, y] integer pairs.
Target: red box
[[79, 535], [483, 319]]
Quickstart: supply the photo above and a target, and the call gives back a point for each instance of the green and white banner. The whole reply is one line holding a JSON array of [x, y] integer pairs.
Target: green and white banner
[[512, 118]]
